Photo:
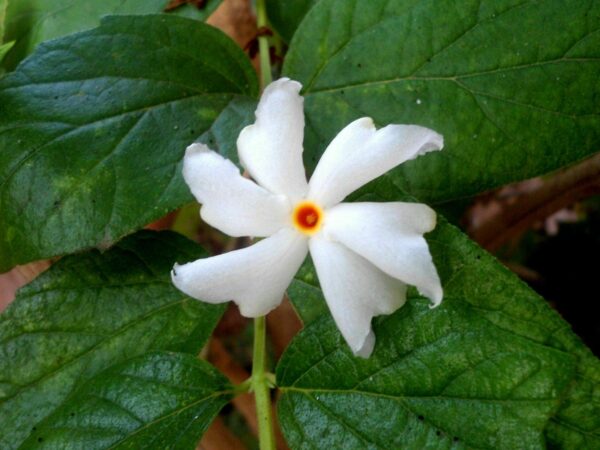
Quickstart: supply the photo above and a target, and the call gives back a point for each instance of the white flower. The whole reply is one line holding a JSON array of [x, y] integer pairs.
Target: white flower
[[365, 254]]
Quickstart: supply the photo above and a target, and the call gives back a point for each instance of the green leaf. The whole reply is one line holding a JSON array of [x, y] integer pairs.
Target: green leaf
[[511, 85], [4, 48], [576, 425], [93, 128], [159, 400], [438, 379], [31, 22], [306, 295], [3, 7], [486, 369], [440, 389], [87, 313], [223, 133], [286, 15]]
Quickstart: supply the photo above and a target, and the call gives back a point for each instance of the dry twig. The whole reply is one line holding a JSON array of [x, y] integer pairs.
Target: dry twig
[[552, 194]]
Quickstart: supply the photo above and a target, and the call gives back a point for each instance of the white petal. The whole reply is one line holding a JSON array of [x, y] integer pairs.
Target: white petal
[[255, 277], [355, 291], [233, 204], [360, 153], [390, 235], [271, 148]]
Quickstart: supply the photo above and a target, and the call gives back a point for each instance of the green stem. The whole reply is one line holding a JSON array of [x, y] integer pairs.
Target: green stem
[[263, 44], [260, 379], [260, 385]]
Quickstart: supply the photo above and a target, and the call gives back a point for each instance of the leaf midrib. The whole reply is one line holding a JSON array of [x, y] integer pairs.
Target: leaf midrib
[[455, 78], [400, 399], [172, 413]]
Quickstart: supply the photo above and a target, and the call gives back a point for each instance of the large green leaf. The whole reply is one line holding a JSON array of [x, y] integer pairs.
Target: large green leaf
[[437, 379], [87, 313], [286, 15], [93, 128], [159, 400], [512, 85], [31, 22], [486, 369]]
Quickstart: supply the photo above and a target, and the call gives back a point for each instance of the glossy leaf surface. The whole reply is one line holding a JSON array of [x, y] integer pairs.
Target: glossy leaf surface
[[159, 400], [512, 85], [87, 313], [93, 128]]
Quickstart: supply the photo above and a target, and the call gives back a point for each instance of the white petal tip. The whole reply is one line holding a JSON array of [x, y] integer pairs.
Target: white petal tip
[[432, 289], [195, 148], [436, 299], [178, 279], [428, 218], [284, 83], [365, 122], [174, 272], [428, 140], [366, 348], [436, 143], [435, 294]]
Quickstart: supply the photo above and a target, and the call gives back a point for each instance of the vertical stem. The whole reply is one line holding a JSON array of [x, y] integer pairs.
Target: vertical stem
[[260, 386], [263, 44]]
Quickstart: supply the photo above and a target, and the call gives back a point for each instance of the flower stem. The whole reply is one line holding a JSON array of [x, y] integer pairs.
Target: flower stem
[[260, 379], [260, 385], [263, 44]]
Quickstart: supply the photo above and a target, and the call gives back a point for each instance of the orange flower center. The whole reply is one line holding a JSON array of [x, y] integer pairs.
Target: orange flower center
[[307, 217]]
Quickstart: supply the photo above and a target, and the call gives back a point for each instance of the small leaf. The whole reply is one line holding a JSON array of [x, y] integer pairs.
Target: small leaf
[[32, 22], [159, 400], [93, 128], [4, 49], [286, 15], [512, 85], [87, 313]]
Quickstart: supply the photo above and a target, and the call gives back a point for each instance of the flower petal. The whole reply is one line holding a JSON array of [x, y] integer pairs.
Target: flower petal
[[355, 291], [235, 205], [390, 235], [255, 277], [271, 148], [360, 153]]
